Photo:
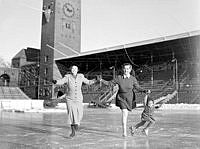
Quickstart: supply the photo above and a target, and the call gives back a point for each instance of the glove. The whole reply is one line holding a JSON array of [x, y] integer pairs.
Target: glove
[[147, 91], [54, 81]]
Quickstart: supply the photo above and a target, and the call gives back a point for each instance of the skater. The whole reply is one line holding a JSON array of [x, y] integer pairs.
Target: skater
[[147, 114], [74, 97], [125, 98]]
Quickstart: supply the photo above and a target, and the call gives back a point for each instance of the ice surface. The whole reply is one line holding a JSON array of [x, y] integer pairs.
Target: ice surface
[[100, 128]]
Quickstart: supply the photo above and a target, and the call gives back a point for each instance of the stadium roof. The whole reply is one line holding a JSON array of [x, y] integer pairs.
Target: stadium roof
[[141, 43], [108, 25], [183, 49]]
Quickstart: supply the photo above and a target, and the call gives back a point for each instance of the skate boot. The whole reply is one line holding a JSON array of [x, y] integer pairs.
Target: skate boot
[[73, 131], [146, 131], [132, 130], [76, 127]]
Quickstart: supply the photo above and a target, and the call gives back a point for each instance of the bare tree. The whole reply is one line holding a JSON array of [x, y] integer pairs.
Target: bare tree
[[4, 63]]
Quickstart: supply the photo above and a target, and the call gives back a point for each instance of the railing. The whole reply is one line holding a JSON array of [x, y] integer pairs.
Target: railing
[[196, 99], [105, 99], [182, 82], [183, 74]]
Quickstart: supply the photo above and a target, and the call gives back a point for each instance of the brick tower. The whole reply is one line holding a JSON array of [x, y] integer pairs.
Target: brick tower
[[60, 38]]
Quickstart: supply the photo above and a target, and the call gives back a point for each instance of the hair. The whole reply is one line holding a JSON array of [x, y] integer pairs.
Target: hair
[[127, 64], [72, 66]]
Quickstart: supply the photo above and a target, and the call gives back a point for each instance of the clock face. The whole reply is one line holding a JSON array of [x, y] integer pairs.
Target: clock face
[[68, 10]]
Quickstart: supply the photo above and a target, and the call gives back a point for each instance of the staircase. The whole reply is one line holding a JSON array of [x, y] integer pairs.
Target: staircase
[[12, 98], [12, 93]]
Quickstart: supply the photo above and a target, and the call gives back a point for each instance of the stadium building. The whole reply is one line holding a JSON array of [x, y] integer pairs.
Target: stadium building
[[26, 62], [160, 39]]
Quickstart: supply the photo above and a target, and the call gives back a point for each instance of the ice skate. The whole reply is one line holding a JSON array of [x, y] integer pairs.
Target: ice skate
[[73, 131], [145, 131], [132, 130]]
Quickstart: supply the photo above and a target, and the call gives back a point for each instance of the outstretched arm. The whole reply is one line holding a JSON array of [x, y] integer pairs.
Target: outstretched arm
[[61, 81], [159, 99], [108, 83], [165, 98], [138, 87], [88, 82]]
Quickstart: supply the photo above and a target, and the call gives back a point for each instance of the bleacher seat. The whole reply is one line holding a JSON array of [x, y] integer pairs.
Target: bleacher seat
[[7, 92]]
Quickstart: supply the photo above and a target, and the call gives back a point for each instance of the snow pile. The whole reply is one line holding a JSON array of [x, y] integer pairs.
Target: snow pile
[[61, 107], [180, 106], [50, 110]]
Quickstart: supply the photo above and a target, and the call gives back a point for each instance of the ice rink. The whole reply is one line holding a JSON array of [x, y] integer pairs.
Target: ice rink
[[100, 129]]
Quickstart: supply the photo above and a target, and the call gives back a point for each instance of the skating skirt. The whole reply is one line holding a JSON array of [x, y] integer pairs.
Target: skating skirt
[[74, 112], [126, 100]]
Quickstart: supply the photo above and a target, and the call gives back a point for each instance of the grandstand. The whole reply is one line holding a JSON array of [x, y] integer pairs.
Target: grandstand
[[12, 93], [153, 67]]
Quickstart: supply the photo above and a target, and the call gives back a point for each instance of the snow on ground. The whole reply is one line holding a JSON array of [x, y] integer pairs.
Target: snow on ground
[[61, 107], [181, 106]]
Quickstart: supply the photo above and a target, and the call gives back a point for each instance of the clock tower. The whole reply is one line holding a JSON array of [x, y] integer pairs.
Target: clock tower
[[60, 38], [67, 28]]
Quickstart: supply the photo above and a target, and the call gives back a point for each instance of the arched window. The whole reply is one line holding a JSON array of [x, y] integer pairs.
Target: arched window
[[5, 79]]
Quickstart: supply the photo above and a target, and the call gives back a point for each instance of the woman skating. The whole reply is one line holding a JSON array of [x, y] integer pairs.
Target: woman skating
[[74, 97]]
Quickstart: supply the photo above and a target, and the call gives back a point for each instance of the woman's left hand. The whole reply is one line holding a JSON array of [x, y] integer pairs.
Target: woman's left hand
[[54, 81], [148, 91]]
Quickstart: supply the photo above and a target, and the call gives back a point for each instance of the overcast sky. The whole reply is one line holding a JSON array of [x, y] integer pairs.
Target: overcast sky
[[20, 22], [20, 26], [109, 23]]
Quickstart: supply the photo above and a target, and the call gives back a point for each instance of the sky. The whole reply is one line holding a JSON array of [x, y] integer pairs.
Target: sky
[[121, 22], [20, 22], [20, 26]]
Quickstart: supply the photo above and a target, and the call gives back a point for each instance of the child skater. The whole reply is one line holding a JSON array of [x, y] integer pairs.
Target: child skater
[[147, 114]]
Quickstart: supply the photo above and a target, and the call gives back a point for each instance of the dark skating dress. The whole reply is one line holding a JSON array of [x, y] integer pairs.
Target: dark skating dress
[[126, 97]]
